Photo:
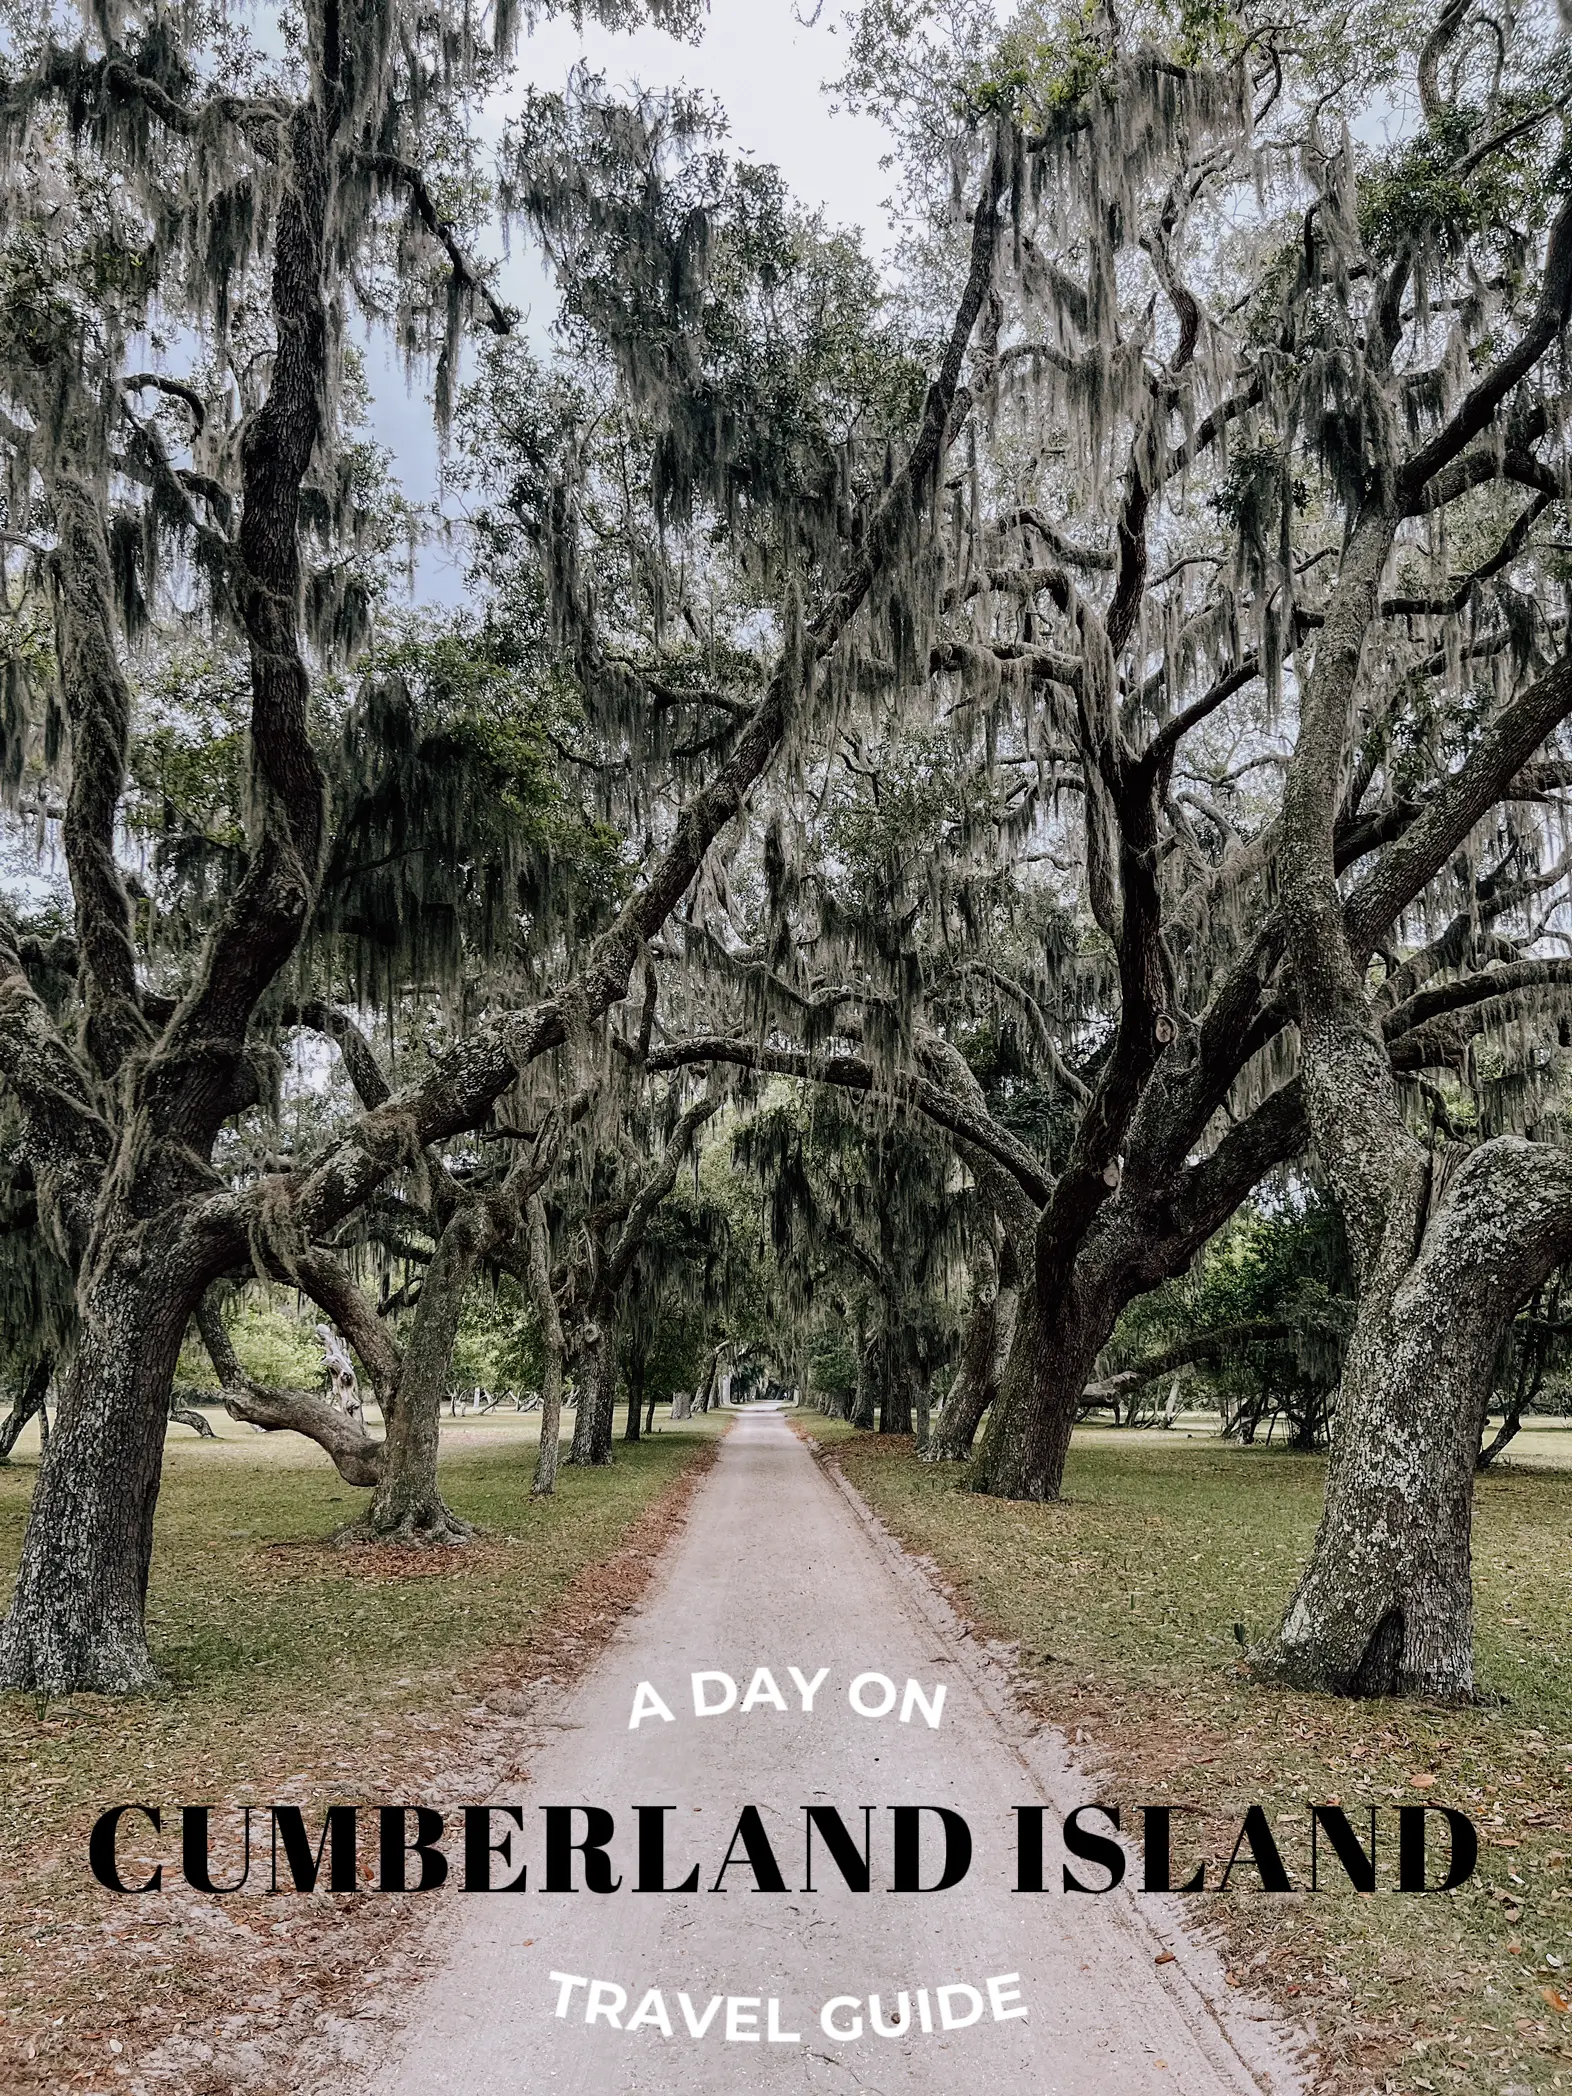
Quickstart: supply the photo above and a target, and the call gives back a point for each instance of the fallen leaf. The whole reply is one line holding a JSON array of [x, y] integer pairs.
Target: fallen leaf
[[1164, 1957], [1556, 1999], [1422, 1782]]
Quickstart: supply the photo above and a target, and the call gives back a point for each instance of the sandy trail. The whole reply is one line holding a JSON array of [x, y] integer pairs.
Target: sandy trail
[[779, 1568]]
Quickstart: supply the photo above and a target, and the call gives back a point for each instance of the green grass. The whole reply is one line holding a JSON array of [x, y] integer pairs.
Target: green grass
[[248, 1610], [293, 1669], [1124, 1601]]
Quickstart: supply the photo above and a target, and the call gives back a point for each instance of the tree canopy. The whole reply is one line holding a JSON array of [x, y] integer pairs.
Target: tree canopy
[[988, 840]]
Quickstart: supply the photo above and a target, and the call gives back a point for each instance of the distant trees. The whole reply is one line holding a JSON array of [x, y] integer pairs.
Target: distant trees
[[1029, 760], [271, 203], [1270, 507], [205, 192]]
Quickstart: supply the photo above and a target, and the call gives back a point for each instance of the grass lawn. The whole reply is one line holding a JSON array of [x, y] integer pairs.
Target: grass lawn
[[295, 1672], [1124, 1599]]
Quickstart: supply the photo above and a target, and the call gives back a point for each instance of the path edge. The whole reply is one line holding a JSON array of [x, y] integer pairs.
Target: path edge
[[1244, 2037]]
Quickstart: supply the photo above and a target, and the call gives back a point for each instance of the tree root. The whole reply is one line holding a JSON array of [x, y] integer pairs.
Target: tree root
[[432, 1525], [936, 1449]]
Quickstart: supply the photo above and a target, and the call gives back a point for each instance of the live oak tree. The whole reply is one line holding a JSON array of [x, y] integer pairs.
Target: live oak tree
[[1445, 1246], [1095, 724], [1065, 670], [702, 1278], [1142, 630], [315, 166], [1404, 345], [249, 200], [624, 1200], [215, 194], [1255, 1330]]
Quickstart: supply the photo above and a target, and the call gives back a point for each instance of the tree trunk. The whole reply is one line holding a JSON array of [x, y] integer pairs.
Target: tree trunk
[[551, 1341], [1050, 1363], [597, 1380], [549, 1452], [406, 1506], [30, 1398], [984, 1352], [895, 1393], [706, 1391], [605, 1403], [1385, 1605], [864, 1404], [1505, 1434], [636, 1360], [188, 1415], [76, 1620], [649, 1419]]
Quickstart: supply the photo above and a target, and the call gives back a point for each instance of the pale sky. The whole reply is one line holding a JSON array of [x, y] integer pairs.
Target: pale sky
[[766, 65], [766, 68]]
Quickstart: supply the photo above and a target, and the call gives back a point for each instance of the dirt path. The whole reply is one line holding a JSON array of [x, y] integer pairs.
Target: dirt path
[[780, 1568]]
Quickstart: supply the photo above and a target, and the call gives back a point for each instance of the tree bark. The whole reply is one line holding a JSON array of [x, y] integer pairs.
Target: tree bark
[[407, 1506], [636, 1366], [30, 1398], [597, 1381], [606, 1403], [984, 1350], [188, 1415], [1051, 1358], [1385, 1604], [551, 1344], [76, 1620], [895, 1382], [864, 1408]]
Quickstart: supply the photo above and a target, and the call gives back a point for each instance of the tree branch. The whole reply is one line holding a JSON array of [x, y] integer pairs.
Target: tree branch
[[1483, 398], [898, 1087], [357, 1458], [98, 701], [500, 319], [361, 1062], [1201, 1346], [1506, 744], [468, 1080]]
